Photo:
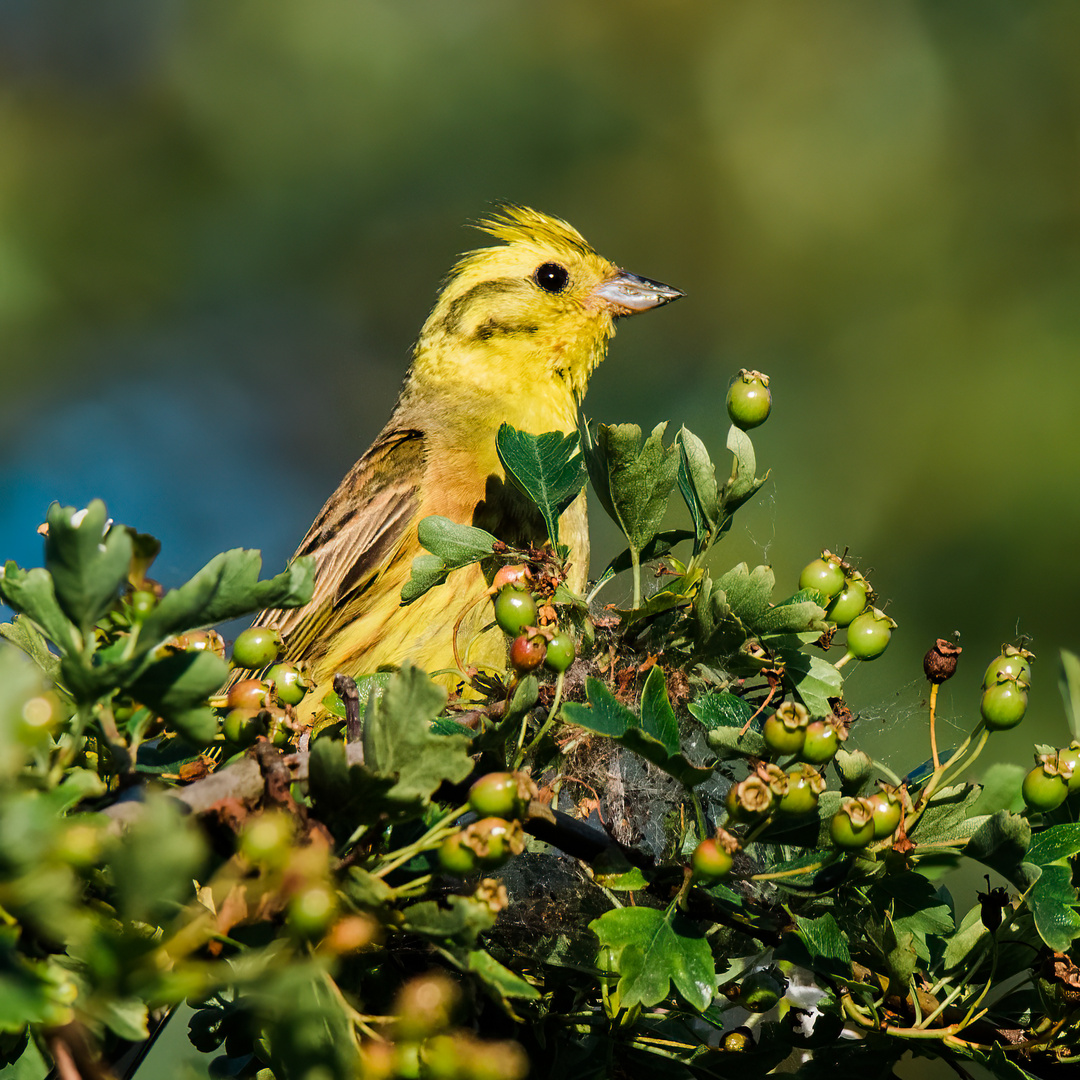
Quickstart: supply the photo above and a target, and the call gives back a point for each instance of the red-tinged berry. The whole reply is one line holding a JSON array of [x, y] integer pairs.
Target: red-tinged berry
[[290, 685], [888, 810], [502, 794], [527, 652], [560, 652], [1003, 705], [821, 742], [850, 601], [749, 400], [248, 694], [869, 634], [494, 840], [514, 609], [825, 575], [852, 826], [518, 576], [256, 647], [710, 861], [425, 1005], [805, 785], [242, 726], [1013, 663], [1045, 788]]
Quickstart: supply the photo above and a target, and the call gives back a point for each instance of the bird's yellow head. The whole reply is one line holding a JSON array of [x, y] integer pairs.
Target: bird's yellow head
[[541, 306]]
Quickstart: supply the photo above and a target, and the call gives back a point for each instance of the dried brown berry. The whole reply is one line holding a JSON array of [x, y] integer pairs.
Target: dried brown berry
[[940, 661]]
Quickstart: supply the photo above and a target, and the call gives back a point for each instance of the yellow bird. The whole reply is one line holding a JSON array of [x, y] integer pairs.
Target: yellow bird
[[514, 336]]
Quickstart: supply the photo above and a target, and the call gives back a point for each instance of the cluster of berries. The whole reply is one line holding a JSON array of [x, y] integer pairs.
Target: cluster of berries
[[260, 706], [536, 637], [501, 800]]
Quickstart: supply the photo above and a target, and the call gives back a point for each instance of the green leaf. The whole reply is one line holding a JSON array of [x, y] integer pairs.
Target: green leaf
[[31, 593], [1001, 843], [968, 936], [915, 905], [1001, 784], [631, 480], [498, 979], [349, 795], [748, 591], [22, 633], [1069, 682], [657, 715], [399, 742], [461, 918], [697, 484], [742, 483], [451, 547], [813, 679], [604, 714], [727, 743], [796, 615], [949, 817], [227, 587], [88, 565], [126, 1017], [721, 710], [153, 865], [677, 593], [825, 942], [548, 469], [654, 955], [179, 682]]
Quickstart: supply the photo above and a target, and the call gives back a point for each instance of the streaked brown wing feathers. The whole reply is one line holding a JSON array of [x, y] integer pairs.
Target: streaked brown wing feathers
[[356, 534]]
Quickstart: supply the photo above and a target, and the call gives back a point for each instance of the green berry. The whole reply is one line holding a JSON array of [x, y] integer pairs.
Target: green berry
[[1044, 790], [142, 602], [888, 810], [710, 861], [242, 727], [312, 910], [289, 684], [1070, 758], [456, 857], [869, 633], [497, 795], [850, 601], [852, 826], [749, 401], [821, 743], [760, 992], [783, 736], [1013, 663], [527, 652], [514, 609], [804, 786], [256, 647], [560, 652], [1003, 705], [826, 575]]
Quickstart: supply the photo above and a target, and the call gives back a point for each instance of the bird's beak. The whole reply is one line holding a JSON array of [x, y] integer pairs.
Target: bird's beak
[[628, 294]]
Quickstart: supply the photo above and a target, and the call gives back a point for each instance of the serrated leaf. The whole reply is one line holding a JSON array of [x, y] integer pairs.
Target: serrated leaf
[[31, 594], [22, 633], [1001, 788], [1069, 683], [548, 469], [949, 818], [813, 679], [88, 565], [1001, 843], [677, 593], [654, 955], [791, 617], [460, 918], [347, 795], [825, 941], [633, 480], [179, 682], [968, 936], [748, 591], [398, 740], [916, 906], [604, 714], [721, 710], [227, 587], [657, 715]]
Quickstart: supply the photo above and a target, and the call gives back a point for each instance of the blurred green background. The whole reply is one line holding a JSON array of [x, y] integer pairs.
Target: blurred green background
[[222, 224]]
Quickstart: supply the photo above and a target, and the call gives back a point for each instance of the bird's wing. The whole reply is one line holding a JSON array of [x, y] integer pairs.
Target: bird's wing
[[355, 536]]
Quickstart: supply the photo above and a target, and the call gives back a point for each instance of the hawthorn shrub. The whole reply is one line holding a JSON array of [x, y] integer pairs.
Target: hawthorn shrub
[[656, 841]]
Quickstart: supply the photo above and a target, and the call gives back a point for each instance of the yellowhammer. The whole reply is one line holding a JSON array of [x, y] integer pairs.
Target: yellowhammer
[[514, 336]]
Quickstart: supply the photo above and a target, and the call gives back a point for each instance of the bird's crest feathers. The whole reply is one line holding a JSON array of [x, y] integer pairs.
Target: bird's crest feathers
[[520, 224]]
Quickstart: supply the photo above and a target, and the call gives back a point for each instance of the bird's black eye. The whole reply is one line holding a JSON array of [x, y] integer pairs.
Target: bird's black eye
[[551, 277]]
